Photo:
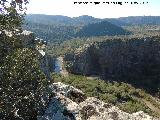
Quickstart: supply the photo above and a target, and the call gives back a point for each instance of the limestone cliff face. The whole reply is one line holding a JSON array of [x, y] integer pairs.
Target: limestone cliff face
[[82, 61], [70, 103], [119, 59]]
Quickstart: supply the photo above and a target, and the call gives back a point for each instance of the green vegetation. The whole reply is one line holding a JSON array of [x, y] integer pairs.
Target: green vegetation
[[62, 28], [66, 47], [10, 19], [101, 29], [141, 50], [60, 20], [22, 83], [143, 29], [69, 46], [51, 32], [85, 19], [59, 33], [120, 94], [57, 28]]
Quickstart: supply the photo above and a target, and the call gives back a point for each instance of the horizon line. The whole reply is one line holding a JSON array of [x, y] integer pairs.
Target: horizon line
[[92, 16]]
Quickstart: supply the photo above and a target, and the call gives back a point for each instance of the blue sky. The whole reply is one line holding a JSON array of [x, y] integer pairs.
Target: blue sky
[[67, 8]]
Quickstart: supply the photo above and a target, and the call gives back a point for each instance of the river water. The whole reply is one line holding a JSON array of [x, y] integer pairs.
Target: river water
[[58, 65]]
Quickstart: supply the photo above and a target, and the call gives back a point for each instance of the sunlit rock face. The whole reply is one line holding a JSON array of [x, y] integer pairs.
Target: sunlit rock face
[[85, 60], [120, 59], [70, 103]]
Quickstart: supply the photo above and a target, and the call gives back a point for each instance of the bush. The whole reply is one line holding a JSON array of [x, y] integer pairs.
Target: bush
[[134, 106]]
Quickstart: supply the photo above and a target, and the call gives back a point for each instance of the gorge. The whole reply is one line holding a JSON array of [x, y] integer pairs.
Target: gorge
[[133, 60]]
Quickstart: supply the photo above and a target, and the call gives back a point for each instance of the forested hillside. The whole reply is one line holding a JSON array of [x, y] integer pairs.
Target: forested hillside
[[83, 26], [60, 28], [52, 33], [101, 29]]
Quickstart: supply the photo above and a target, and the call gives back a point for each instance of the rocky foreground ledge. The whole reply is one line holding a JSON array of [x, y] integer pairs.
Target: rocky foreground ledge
[[70, 103]]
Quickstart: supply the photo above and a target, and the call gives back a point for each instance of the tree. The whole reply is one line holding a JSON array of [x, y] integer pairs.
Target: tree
[[11, 18], [22, 83], [11, 14]]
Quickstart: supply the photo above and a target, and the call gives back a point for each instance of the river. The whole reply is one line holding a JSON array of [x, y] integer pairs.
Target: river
[[58, 65]]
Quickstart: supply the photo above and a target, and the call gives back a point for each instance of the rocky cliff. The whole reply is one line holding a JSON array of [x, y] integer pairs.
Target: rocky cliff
[[128, 60], [70, 103]]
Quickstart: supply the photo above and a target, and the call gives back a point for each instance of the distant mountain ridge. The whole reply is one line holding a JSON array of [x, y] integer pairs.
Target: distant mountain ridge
[[85, 19], [61, 20], [140, 20]]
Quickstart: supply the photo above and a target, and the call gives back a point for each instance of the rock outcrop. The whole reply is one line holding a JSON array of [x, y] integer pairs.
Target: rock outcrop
[[120, 59], [70, 103]]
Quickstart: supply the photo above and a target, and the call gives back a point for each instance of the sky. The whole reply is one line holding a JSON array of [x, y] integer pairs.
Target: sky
[[102, 10]]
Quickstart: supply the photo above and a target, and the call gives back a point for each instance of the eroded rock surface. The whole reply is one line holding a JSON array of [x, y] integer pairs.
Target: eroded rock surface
[[63, 106], [74, 94]]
